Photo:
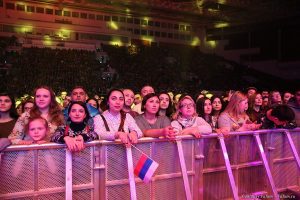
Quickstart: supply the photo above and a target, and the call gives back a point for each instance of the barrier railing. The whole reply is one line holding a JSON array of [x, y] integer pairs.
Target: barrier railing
[[245, 164]]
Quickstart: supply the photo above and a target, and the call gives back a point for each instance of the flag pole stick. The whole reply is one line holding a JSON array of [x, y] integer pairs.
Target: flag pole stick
[[130, 173]]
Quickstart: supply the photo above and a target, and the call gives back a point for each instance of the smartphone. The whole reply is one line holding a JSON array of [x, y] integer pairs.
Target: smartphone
[[232, 91]]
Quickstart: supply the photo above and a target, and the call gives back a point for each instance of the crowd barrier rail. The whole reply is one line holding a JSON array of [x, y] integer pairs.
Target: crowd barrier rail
[[243, 165]]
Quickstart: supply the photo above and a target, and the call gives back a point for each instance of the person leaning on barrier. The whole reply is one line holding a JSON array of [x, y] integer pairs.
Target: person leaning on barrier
[[278, 116], [45, 106], [116, 124], [150, 123], [234, 117], [186, 120], [77, 132], [294, 103]]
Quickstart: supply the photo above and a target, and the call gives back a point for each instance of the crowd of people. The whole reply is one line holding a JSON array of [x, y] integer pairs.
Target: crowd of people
[[165, 115], [171, 104]]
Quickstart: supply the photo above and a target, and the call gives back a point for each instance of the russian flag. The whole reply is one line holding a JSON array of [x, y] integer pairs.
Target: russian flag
[[145, 168]]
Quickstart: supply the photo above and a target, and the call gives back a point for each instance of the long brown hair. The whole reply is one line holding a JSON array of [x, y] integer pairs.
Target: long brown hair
[[252, 102], [55, 115], [233, 106]]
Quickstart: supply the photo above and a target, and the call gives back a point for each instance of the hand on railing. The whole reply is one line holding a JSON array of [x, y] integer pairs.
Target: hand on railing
[[25, 142], [41, 142], [223, 130], [123, 137], [74, 144], [191, 131], [169, 133], [133, 137]]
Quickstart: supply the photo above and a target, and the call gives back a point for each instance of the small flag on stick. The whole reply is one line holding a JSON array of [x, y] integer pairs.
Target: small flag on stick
[[145, 168]]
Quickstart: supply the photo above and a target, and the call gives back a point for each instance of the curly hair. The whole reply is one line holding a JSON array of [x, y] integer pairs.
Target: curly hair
[[55, 115]]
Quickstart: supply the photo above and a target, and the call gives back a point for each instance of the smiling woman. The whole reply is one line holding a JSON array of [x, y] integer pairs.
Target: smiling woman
[[45, 106]]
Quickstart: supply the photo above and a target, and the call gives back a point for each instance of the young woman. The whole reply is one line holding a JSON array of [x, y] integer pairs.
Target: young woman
[[45, 106], [234, 117], [204, 108], [27, 105], [93, 102], [274, 98], [255, 107], [115, 124], [286, 97], [150, 123], [218, 107], [75, 134], [186, 120], [165, 105], [8, 114]]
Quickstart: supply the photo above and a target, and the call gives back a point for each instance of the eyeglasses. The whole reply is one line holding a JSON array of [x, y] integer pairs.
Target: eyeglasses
[[276, 95], [187, 105]]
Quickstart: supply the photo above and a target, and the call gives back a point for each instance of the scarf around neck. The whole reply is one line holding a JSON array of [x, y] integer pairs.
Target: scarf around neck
[[186, 122]]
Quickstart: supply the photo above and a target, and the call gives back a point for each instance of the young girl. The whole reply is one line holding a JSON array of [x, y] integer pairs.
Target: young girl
[[75, 134], [8, 114], [115, 124], [38, 130], [186, 120], [45, 106]]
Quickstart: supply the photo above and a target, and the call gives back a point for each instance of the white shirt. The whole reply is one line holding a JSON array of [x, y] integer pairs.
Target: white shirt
[[138, 108], [113, 123]]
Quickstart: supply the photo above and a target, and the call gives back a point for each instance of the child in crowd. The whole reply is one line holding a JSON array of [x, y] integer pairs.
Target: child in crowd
[[278, 116], [38, 130]]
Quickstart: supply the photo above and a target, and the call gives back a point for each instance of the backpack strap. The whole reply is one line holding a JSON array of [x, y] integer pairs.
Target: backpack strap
[[67, 130], [123, 117], [105, 123], [87, 129]]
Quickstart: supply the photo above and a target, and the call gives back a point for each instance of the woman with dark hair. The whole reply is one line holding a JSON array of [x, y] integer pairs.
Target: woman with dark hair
[[75, 134], [45, 106], [93, 102], [27, 105], [116, 124], [286, 97], [8, 114], [218, 106], [255, 108], [165, 105], [203, 109], [150, 123]]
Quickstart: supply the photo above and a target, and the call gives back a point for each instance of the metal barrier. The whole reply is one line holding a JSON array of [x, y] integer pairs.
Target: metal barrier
[[244, 164]]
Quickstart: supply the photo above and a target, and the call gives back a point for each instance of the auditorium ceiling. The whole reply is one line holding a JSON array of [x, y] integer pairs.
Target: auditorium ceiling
[[211, 13]]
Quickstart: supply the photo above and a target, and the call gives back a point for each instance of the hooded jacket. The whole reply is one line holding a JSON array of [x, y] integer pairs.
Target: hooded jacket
[[296, 109]]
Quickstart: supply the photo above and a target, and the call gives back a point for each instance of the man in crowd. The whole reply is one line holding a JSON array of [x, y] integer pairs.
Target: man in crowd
[[79, 94], [137, 99], [145, 90], [250, 91], [265, 93], [129, 98], [294, 103], [67, 100]]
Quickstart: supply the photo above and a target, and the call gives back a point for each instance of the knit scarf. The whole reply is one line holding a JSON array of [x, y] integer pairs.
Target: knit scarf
[[186, 122]]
